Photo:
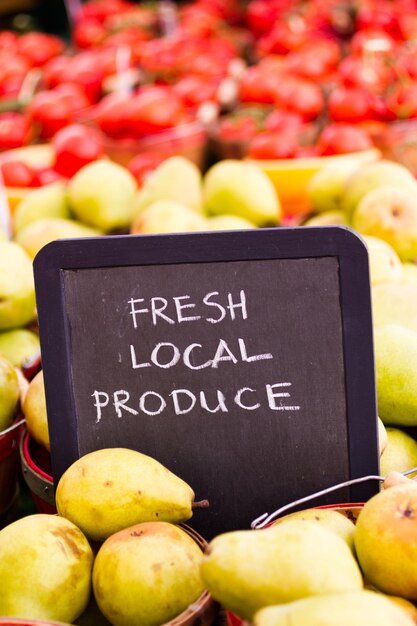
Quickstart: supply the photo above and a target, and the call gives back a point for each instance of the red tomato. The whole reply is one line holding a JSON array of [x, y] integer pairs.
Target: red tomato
[[15, 130], [402, 101], [300, 95], [75, 146], [88, 33], [259, 85], [8, 40], [52, 70], [260, 16], [382, 15], [350, 104], [194, 90], [284, 120], [52, 110], [237, 128], [109, 114], [39, 48], [375, 76], [86, 72], [273, 145], [286, 35], [340, 138], [143, 164], [18, 174], [153, 109]]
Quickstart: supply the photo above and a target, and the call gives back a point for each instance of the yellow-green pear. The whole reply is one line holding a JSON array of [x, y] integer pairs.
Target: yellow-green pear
[[390, 213], [241, 188], [167, 216], [400, 454], [177, 179], [327, 186], [393, 303], [331, 519], [372, 175], [246, 570], [228, 222], [45, 569], [386, 540], [358, 608], [23, 384], [9, 393], [328, 218], [92, 616], [384, 263], [396, 374], [19, 345], [382, 436], [34, 410], [48, 201], [147, 574], [113, 488], [37, 234], [101, 194], [409, 274], [17, 288]]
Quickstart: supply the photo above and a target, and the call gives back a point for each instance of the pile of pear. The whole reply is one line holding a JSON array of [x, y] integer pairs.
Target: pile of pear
[[378, 201], [103, 197], [19, 340], [115, 552]]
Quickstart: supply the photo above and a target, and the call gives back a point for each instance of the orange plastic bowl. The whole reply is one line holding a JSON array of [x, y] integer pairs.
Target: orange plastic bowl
[[291, 177]]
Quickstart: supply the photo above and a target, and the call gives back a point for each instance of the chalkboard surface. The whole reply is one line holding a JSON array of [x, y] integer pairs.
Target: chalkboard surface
[[240, 360]]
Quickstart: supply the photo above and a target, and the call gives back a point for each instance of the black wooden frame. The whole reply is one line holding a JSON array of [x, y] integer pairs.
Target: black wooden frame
[[256, 244]]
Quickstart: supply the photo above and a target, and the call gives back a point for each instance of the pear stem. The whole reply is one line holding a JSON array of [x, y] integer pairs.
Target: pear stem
[[201, 504]]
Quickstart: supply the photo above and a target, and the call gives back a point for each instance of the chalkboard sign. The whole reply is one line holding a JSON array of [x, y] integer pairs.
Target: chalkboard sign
[[242, 361]]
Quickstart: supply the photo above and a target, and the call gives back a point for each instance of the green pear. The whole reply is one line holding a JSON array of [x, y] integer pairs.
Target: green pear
[[37, 234], [228, 222], [147, 574], [359, 608], [19, 345], [113, 488], [386, 540], [177, 179], [327, 186], [9, 393], [373, 175], [167, 216], [396, 374], [400, 454], [34, 410], [101, 194], [331, 519], [384, 263], [393, 303], [390, 213], [409, 274], [328, 218], [241, 188], [45, 569], [246, 570], [382, 436], [48, 201], [17, 288]]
